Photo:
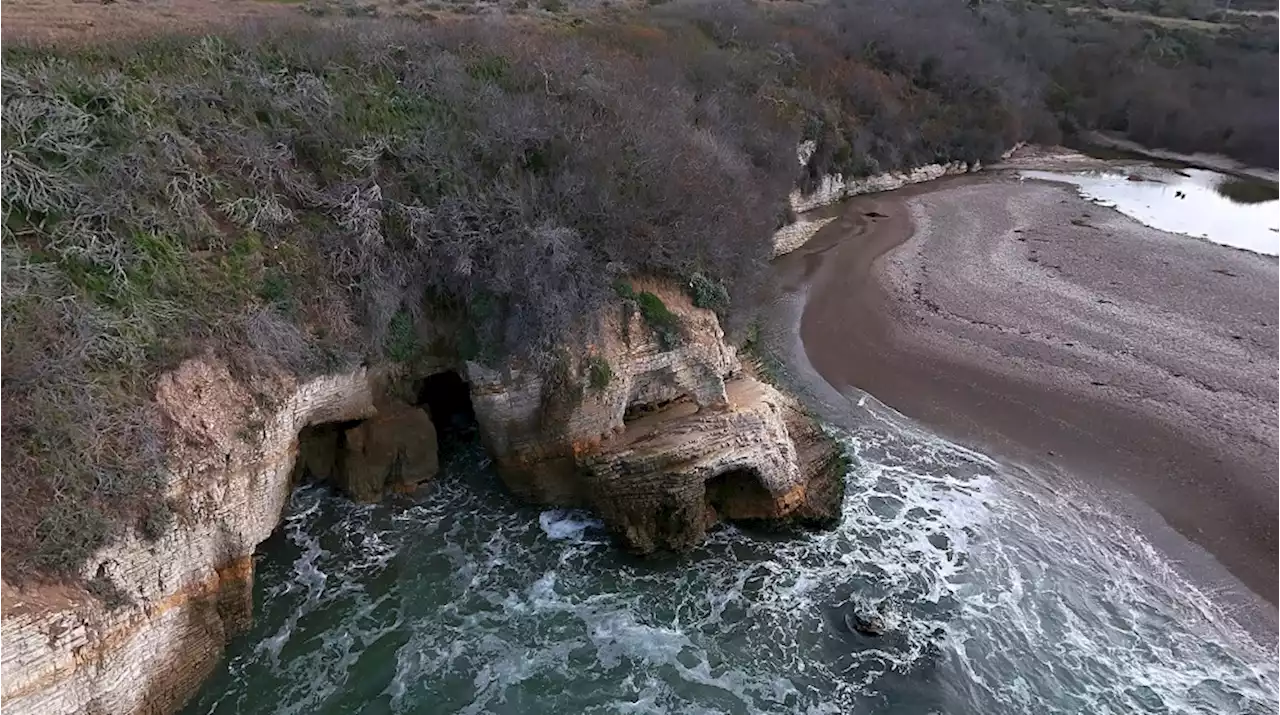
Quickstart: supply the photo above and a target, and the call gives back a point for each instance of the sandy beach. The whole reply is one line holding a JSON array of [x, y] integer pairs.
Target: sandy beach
[[1019, 318]]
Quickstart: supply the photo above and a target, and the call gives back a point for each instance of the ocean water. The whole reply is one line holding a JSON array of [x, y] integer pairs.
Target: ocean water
[[997, 594], [1192, 202]]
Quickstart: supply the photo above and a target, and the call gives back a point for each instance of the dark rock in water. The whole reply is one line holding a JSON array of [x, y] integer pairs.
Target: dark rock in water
[[394, 450], [1135, 177], [870, 624], [874, 214]]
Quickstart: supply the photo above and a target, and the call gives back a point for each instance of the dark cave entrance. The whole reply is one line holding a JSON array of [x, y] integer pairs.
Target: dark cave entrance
[[320, 448], [447, 398], [738, 495], [396, 449]]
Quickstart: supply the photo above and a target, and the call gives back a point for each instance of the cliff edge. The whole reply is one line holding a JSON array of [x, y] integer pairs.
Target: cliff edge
[[661, 435]]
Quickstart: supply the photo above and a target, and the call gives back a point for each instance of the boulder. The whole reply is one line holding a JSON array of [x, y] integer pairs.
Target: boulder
[[674, 473], [395, 450]]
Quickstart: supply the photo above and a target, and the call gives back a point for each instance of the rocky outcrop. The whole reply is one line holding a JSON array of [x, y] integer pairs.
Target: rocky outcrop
[[186, 593], [796, 234], [834, 188], [677, 471], [677, 440], [661, 439], [538, 440]]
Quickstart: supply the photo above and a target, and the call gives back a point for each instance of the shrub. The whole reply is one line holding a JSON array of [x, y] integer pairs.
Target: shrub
[[664, 324], [599, 374], [402, 341], [708, 293]]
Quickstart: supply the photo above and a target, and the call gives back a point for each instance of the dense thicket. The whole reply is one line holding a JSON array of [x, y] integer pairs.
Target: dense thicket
[[314, 198], [1170, 86]]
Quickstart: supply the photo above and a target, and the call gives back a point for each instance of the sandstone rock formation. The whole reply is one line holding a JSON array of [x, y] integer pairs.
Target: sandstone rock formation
[[662, 440], [677, 471], [646, 451], [188, 592], [395, 450], [537, 443]]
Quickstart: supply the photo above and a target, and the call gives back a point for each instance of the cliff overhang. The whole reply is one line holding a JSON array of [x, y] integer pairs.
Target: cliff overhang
[[662, 439]]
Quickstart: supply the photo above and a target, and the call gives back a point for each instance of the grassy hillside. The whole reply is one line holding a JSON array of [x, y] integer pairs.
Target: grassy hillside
[[315, 196]]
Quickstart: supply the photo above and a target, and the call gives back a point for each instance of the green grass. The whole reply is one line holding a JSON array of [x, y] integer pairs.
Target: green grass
[[599, 374], [664, 324], [402, 340]]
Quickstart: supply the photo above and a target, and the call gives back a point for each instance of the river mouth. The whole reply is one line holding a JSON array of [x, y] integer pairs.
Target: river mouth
[[995, 595]]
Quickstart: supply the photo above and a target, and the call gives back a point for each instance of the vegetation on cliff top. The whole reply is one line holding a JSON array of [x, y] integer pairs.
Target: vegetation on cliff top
[[313, 198]]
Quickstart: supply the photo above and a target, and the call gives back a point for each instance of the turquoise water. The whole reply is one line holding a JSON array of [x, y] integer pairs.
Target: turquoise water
[[999, 596]]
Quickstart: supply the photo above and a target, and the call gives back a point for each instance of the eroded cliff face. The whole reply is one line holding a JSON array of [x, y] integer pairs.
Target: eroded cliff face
[[538, 443], [675, 438], [677, 471], [643, 452], [190, 590], [835, 188]]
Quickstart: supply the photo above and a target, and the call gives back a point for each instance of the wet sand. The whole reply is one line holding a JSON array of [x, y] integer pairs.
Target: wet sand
[[1018, 318]]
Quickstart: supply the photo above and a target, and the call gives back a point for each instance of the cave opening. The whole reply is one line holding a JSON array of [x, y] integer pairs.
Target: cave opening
[[639, 410], [447, 398], [320, 448], [738, 495], [400, 448]]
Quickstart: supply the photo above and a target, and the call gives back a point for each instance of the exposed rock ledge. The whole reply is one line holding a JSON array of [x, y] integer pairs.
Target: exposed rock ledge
[[712, 443], [835, 188]]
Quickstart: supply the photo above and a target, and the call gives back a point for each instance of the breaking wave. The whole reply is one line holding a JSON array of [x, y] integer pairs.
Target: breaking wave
[[995, 595]]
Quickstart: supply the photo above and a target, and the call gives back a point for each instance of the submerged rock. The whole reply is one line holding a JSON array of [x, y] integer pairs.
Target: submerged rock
[[869, 624]]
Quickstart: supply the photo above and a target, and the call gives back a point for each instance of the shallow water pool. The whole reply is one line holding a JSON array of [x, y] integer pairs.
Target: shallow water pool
[[1193, 202]]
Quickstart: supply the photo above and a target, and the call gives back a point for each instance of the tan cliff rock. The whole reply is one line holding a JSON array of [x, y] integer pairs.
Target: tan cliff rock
[[834, 188], [675, 472], [394, 450], [641, 450], [191, 590], [537, 443], [677, 437]]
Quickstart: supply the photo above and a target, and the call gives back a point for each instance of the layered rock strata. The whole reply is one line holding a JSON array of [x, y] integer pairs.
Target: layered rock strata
[[662, 437], [642, 450], [675, 472], [183, 595], [834, 188]]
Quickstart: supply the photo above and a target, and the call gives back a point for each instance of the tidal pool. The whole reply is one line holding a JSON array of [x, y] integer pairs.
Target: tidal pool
[[1193, 202]]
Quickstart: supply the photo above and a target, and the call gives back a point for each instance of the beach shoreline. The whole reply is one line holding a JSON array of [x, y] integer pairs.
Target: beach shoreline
[[1020, 319]]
